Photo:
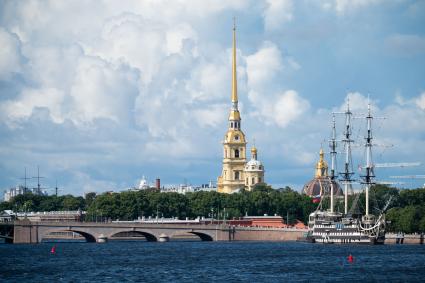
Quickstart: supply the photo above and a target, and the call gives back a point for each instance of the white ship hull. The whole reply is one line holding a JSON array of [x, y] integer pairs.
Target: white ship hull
[[330, 228]]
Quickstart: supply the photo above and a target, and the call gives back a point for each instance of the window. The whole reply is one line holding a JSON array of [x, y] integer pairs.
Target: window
[[237, 153], [253, 180], [236, 137], [236, 175], [259, 179], [246, 182], [231, 124]]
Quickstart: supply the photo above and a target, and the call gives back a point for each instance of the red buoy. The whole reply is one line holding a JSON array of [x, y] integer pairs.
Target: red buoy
[[53, 250], [350, 258]]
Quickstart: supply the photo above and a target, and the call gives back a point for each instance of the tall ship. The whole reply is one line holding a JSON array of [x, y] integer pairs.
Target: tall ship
[[330, 226]]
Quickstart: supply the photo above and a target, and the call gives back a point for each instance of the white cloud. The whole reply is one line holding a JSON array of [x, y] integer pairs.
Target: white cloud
[[342, 7], [280, 108], [10, 55], [134, 40], [289, 107], [212, 116], [210, 81], [357, 101], [84, 183], [102, 90], [263, 65], [29, 99], [420, 101], [52, 66], [177, 35], [277, 13], [271, 105]]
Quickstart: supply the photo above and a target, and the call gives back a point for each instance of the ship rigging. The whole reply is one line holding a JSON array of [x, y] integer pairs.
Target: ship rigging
[[328, 226]]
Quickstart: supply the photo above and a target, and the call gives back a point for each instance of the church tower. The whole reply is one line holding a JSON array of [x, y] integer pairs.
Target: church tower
[[254, 171], [234, 145]]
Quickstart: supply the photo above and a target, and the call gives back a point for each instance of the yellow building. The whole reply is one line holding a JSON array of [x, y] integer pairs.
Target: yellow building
[[234, 145]]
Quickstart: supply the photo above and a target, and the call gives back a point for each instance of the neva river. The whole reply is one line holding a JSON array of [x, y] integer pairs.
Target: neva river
[[210, 262]]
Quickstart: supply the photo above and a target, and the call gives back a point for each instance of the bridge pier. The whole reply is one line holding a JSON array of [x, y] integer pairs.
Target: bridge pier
[[25, 233]]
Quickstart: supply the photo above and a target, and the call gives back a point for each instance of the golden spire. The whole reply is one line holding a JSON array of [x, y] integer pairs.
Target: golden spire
[[234, 77]]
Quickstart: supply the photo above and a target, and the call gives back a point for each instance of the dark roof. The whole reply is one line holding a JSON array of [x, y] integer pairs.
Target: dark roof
[[321, 186]]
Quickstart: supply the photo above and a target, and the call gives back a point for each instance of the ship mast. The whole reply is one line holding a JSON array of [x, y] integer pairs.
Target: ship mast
[[348, 172], [368, 178], [332, 145]]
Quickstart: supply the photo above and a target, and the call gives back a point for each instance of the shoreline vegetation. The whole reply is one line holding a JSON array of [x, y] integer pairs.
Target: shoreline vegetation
[[406, 212]]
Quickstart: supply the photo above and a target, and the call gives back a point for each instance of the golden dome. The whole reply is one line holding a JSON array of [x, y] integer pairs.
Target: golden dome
[[253, 150]]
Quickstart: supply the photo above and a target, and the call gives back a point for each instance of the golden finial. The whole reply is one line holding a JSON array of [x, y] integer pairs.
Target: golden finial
[[322, 166]]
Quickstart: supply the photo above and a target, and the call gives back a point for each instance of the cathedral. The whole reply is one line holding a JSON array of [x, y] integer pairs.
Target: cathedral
[[321, 183], [237, 173]]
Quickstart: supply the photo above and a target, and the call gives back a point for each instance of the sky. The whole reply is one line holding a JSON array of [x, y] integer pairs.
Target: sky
[[100, 93]]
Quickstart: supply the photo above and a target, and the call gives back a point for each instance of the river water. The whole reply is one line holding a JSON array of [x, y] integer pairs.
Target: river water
[[140, 261]]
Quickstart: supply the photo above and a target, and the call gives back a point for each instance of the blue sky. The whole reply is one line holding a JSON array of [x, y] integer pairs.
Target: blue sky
[[99, 94]]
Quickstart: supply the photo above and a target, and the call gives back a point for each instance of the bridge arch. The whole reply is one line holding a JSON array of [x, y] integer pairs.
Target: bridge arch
[[87, 236], [149, 236], [202, 235]]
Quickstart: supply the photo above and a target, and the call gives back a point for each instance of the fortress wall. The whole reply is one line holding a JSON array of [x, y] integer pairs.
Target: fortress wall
[[267, 235], [407, 239]]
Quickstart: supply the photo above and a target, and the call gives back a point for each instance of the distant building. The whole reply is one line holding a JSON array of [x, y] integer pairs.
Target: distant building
[[184, 188], [20, 190], [275, 221], [6, 216], [55, 216], [143, 185], [321, 184], [254, 171]]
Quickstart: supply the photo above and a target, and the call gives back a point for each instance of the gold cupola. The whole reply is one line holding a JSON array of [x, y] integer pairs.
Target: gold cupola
[[322, 166], [254, 152]]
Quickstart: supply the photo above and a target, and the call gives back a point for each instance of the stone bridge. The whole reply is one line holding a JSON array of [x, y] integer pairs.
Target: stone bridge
[[34, 232]]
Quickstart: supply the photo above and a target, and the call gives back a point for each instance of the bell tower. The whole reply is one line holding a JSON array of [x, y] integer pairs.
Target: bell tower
[[234, 144]]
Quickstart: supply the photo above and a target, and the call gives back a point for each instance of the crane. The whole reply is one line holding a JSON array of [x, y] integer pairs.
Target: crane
[[410, 177], [391, 165]]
